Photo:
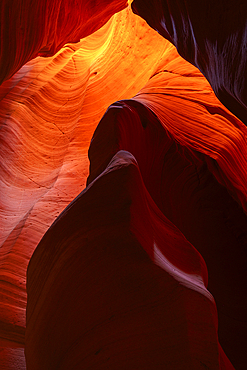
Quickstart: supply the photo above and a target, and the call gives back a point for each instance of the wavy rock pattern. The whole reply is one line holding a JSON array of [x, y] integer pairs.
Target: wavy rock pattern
[[45, 135], [31, 28], [218, 50], [188, 175], [181, 182], [187, 107]]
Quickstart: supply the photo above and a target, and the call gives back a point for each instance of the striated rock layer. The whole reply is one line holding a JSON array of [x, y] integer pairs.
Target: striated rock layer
[[190, 178], [210, 34], [49, 111], [30, 28], [185, 104], [181, 181]]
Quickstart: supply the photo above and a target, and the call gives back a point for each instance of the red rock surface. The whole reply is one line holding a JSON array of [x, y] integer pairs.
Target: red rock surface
[[46, 131], [190, 179], [181, 181], [30, 28], [124, 311]]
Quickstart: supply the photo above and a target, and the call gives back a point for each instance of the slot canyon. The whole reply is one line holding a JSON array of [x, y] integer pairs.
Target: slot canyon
[[123, 178]]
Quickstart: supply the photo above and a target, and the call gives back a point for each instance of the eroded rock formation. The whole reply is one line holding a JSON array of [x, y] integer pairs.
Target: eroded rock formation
[[181, 181], [210, 34], [31, 28], [124, 311], [180, 172]]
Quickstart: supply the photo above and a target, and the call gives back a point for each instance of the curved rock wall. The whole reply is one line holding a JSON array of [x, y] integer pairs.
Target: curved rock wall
[[124, 310], [210, 34], [49, 110], [180, 173], [30, 28], [181, 181]]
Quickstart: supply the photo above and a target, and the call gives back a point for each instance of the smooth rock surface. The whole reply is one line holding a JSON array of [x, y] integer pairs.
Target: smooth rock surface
[[97, 300], [181, 181]]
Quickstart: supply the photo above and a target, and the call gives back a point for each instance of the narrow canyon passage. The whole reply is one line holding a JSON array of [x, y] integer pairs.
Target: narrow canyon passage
[[123, 184]]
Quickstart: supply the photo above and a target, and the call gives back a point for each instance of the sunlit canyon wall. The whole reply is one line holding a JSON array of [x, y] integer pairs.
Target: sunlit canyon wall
[[123, 185]]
